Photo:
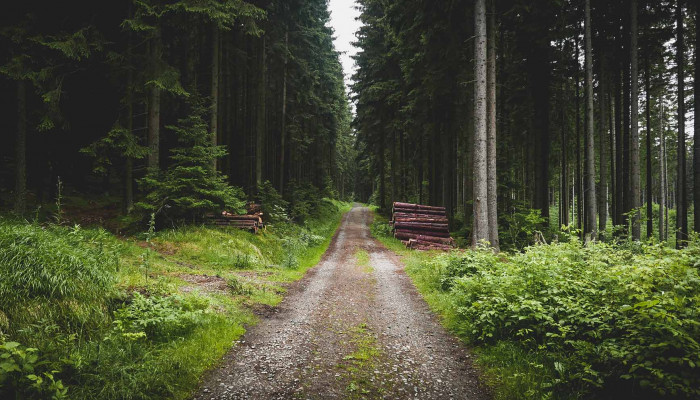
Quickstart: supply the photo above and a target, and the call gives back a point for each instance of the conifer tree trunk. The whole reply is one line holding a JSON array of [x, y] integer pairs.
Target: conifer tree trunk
[[129, 162], [590, 205], [21, 150], [577, 179], [262, 117], [564, 200], [663, 185], [619, 170], [603, 195], [214, 124], [154, 107], [647, 90], [613, 164], [491, 134], [283, 132], [635, 170], [481, 215], [696, 128], [681, 180]]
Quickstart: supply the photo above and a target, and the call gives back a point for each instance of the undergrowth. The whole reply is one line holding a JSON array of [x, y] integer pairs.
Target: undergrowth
[[86, 315], [568, 321]]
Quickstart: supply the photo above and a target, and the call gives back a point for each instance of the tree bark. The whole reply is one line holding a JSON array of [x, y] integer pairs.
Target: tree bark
[[602, 129], [154, 106], [262, 117], [681, 180], [635, 170], [129, 162], [590, 225], [491, 133], [481, 215], [696, 128], [663, 185], [578, 180], [21, 150], [647, 90], [214, 124], [283, 132]]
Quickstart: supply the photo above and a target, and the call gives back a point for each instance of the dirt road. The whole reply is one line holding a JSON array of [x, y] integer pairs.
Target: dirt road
[[354, 328]]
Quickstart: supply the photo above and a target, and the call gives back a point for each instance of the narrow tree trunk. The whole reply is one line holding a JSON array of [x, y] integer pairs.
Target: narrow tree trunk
[[21, 150], [696, 128], [129, 162], [283, 133], [647, 89], [590, 225], [603, 195], [564, 201], [491, 128], [154, 107], [662, 175], [613, 165], [262, 117], [681, 180], [635, 170], [481, 215], [578, 180], [214, 124], [619, 132], [382, 173]]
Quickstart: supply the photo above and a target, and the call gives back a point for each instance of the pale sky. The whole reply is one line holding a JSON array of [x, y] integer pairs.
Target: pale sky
[[343, 21]]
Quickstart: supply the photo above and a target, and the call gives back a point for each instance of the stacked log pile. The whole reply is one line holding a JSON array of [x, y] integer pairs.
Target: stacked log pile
[[421, 227], [250, 222]]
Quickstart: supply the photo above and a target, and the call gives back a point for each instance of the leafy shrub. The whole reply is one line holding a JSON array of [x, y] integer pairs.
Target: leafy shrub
[[24, 375], [190, 187], [519, 228], [159, 319], [274, 207], [604, 318], [305, 200]]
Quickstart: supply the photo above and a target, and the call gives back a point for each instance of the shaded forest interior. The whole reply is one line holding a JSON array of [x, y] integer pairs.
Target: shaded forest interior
[[491, 109]]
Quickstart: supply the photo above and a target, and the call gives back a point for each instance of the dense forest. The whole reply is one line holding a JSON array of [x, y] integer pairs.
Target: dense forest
[[580, 110], [171, 169], [106, 97]]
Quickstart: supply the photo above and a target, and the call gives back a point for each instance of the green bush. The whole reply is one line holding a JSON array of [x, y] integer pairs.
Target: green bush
[[24, 375], [190, 187], [274, 207], [54, 273], [304, 200], [604, 319]]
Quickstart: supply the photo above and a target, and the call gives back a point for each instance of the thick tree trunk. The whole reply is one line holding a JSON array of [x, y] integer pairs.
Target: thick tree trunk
[[696, 128], [481, 215], [590, 225], [214, 124], [491, 133], [635, 170], [154, 108], [21, 150], [681, 180]]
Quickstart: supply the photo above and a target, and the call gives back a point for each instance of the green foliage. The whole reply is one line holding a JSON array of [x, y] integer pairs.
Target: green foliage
[[190, 187], [159, 319], [274, 207], [45, 271], [304, 200], [24, 375], [520, 228], [118, 142], [589, 320]]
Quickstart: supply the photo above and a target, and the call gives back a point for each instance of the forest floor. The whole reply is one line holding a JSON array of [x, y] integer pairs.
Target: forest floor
[[354, 327]]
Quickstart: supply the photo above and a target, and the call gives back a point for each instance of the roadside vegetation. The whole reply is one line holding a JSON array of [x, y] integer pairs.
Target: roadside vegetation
[[568, 321], [85, 314]]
